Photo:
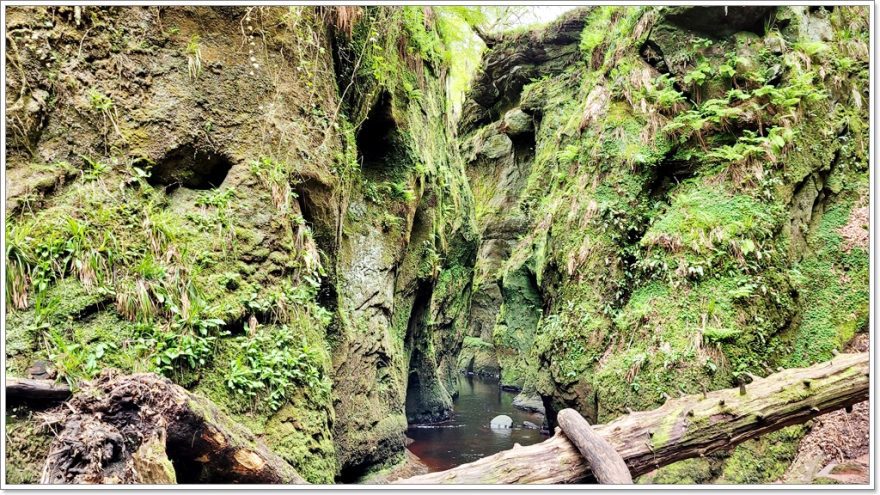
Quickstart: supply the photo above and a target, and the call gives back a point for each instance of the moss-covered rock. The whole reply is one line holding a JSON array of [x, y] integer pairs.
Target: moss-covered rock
[[479, 357], [288, 234], [691, 211]]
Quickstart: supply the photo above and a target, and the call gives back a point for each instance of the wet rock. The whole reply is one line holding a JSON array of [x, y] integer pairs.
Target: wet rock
[[775, 43], [516, 122], [530, 426], [496, 146], [518, 60], [501, 422], [527, 402], [41, 369]]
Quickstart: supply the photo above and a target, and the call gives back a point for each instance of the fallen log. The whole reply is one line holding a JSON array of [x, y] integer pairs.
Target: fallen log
[[139, 428], [607, 465], [688, 427], [28, 389]]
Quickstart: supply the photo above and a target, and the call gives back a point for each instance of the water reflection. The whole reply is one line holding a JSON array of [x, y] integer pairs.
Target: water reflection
[[467, 436]]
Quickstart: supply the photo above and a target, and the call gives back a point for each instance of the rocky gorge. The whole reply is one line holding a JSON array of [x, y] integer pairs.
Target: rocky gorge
[[279, 210]]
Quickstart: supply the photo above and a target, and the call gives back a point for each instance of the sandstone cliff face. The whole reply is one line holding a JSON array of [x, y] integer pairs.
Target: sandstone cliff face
[[269, 206], [262, 203], [667, 205]]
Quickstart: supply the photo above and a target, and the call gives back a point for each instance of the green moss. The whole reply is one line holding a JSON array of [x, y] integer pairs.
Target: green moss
[[517, 321], [301, 435], [706, 229], [696, 471], [27, 444], [763, 460], [834, 288]]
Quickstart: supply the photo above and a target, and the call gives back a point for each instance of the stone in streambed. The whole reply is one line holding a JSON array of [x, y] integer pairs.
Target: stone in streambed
[[501, 422]]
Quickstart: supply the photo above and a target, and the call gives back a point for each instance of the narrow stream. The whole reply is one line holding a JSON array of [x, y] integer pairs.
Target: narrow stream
[[467, 436]]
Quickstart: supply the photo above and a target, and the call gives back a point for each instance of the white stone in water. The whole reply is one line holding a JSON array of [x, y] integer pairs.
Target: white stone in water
[[501, 422]]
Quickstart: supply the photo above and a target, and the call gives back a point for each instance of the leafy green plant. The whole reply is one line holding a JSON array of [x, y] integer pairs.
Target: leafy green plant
[[400, 191], [371, 191], [19, 261], [663, 93], [390, 221], [568, 154], [104, 105], [699, 74], [431, 262], [74, 361], [272, 366], [217, 198], [95, 168], [596, 29], [173, 351], [811, 48], [275, 175]]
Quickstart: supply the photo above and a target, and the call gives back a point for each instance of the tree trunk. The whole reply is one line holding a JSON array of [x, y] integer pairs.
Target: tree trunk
[[607, 465], [144, 429], [682, 428], [27, 389]]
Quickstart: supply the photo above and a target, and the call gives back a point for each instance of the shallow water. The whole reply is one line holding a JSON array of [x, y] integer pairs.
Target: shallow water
[[467, 436]]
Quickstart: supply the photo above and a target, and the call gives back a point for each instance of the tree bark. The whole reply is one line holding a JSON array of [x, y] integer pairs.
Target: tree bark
[[139, 428], [29, 389], [607, 465], [682, 428]]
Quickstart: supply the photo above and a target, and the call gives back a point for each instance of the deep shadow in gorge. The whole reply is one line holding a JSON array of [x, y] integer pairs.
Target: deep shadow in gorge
[[421, 375]]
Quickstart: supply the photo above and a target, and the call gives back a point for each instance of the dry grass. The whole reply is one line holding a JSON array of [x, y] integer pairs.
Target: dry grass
[[595, 106], [344, 18]]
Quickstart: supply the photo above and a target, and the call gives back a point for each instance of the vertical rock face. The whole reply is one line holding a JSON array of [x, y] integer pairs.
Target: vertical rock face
[[400, 302], [500, 155], [263, 203], [690, 181], [269, 206]]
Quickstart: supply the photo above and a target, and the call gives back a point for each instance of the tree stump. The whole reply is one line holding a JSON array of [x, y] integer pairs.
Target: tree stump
[[139, 428]]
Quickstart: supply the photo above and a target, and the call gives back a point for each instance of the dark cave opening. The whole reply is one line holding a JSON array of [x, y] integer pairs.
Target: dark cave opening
[[668, 174], [191, 167], [379, 149], [721, 21]]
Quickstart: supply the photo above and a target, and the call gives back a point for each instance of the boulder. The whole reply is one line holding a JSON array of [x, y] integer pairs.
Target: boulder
[[516, 122], [496, 146], [530, 426], [501, 422]]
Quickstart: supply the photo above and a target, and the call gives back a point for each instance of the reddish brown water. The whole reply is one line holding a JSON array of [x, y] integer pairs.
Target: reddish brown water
[[467, 436]]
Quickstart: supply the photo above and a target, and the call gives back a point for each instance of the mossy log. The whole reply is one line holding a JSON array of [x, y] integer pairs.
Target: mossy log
[[142, 428], [691, 426]]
